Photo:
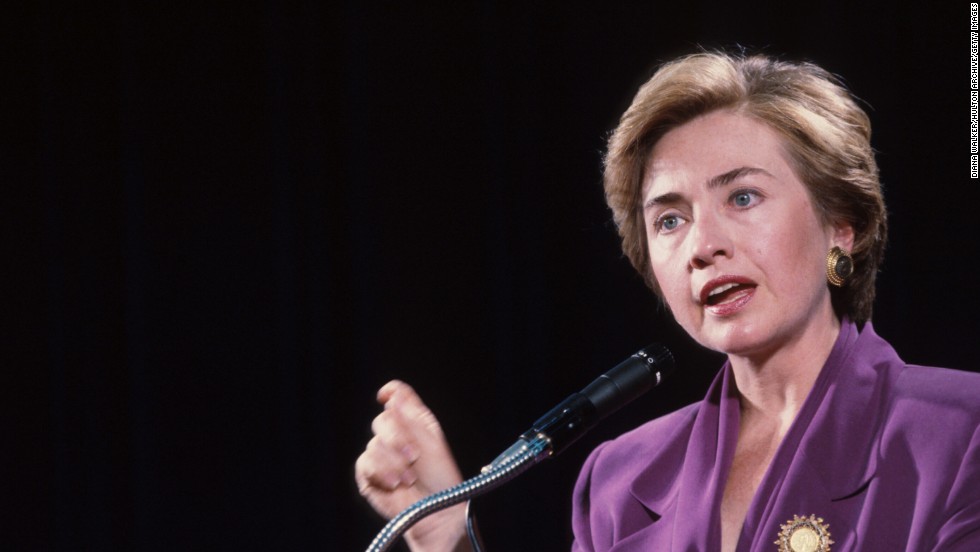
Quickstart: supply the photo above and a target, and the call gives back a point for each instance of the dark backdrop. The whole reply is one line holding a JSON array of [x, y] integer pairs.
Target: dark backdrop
[[236, 221]]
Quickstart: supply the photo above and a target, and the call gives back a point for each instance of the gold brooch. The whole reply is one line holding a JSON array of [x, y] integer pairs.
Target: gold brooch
[[804, 534]]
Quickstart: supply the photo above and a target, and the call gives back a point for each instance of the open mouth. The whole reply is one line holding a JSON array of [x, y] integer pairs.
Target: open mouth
[[727, 292]]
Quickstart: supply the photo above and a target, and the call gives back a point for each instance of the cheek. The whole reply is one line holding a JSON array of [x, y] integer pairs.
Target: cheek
[[671, 278], [796, 255], [658, 266]]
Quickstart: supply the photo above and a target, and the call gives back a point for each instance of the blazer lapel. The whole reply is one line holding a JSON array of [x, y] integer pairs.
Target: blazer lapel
[[830, 453], [822, 467], [688, 508]]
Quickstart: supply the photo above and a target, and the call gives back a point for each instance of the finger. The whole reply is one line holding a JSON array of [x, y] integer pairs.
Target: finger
[[388, 389], [374, 470], [382, 468], [396, 434], [400, 396]]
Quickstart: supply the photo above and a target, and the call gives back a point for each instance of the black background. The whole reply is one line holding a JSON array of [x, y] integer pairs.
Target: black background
[[235, 222]]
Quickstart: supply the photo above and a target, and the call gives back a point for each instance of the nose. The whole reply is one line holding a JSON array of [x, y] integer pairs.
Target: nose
[[709, 241]]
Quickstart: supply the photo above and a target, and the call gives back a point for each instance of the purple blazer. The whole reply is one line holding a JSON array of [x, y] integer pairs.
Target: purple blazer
[[884, 454]]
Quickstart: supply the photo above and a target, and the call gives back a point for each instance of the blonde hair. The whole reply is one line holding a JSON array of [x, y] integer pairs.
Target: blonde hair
[[827, 137]]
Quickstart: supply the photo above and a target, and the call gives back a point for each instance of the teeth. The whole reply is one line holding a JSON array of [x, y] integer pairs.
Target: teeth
[[721, 289]]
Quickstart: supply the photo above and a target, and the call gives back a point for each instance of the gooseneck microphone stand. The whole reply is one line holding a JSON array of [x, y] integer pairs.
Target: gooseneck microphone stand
[[548, 436], [491, 477]]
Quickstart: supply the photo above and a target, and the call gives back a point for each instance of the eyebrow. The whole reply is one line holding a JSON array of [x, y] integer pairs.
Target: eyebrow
[[714, 182]]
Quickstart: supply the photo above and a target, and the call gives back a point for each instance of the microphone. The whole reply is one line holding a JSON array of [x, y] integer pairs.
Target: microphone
[[580, 412], [549, 436]]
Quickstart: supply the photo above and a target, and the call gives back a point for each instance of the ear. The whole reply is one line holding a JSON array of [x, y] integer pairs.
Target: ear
[[842, 235]]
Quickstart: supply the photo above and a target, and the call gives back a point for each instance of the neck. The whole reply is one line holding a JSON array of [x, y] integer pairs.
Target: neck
[[772, 385]]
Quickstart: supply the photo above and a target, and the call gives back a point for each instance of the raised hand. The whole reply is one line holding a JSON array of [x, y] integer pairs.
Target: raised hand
[[406, 460]]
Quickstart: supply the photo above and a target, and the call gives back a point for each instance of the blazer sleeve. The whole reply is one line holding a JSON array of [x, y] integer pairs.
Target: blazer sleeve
[[961, 529], [581, 502]]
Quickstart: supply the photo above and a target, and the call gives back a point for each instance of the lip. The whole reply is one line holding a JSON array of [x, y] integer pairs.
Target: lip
[[728, 307]]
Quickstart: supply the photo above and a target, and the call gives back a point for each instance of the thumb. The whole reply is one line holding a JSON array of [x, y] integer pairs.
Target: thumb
[[401, 397]]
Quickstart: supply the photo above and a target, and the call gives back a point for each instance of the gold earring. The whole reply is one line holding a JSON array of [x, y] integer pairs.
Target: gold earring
[[840, 265]]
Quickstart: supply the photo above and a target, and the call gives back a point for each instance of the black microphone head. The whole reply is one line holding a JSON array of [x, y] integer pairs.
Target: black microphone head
[[565, 423], [630, 379], [658, 359]]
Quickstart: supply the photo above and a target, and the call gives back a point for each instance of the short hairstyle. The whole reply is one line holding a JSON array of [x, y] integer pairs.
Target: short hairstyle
[[826, 134]]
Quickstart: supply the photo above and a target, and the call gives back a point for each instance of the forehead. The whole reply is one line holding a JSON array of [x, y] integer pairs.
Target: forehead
[[711, 145]]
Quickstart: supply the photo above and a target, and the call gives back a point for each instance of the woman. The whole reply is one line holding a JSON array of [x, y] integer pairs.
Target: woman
[[745, 191]]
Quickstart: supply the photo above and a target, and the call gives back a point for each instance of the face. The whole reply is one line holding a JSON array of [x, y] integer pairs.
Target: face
[[735, 243]]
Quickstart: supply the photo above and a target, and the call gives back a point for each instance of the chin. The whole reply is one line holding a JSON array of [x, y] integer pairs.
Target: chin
[[734, 339]]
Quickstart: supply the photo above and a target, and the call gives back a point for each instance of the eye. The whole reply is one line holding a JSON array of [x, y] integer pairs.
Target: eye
[[667, 223], [744, 198]]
